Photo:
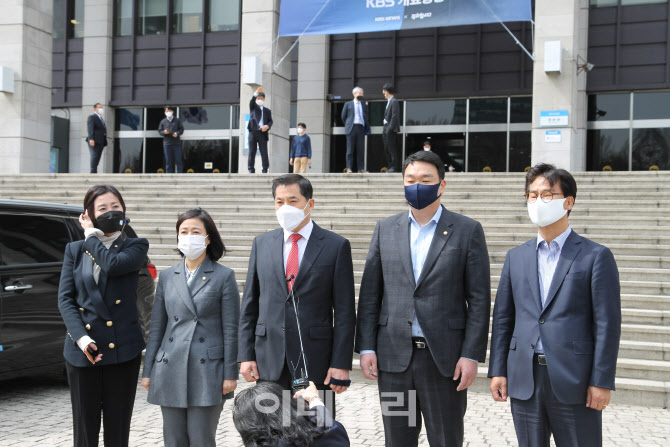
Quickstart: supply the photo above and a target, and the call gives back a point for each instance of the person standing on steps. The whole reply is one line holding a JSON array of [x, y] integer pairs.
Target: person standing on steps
[[97, 136], [356, 126], [391, 127], [171, 129], [260, 123], [301, 150]]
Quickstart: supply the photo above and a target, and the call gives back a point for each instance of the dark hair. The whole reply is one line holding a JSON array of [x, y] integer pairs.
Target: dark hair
[[293, 179], [261, 94], [389, 88], [266, 428], [553, 176], [428, 157], [303, 125], [427, 143], [215, 249], [169, 108], [95, 192], [96, 105]]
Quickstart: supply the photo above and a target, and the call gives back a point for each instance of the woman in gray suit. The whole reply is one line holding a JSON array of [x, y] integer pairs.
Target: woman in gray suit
[[190, 366]]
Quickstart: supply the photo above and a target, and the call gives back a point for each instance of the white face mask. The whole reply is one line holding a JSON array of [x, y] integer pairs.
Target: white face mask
[[168, 114], [426, 148], [259, 102], [289, 217], [192, 245], [544, 214], [101, 111], [451, 169], [301, 130]]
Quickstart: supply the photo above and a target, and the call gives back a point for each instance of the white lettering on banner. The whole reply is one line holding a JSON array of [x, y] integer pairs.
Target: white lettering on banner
[[421, 15], [379, 3]]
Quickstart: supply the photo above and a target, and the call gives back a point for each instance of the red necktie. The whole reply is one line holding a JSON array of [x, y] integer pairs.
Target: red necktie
[[293, 262]]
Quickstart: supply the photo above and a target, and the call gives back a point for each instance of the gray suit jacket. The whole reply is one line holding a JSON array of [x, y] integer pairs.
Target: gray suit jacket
[[193, 337], [324, 289], [452, 298], [349, 113], [580, 323]]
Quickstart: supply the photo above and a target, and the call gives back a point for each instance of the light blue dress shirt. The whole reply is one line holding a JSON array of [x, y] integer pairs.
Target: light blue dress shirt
[[358, 113], [547, 260]]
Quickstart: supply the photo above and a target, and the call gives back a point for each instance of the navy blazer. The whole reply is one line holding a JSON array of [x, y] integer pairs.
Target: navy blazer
[[106, 311], [580, 323], [349, 113], [96, 130], [334, 434], [255, 117]]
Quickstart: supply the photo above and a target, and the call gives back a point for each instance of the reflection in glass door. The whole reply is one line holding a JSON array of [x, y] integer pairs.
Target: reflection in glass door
[[449, 146]]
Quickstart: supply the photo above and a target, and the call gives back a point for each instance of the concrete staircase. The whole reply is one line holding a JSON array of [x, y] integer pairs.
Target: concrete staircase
[[628, 212]]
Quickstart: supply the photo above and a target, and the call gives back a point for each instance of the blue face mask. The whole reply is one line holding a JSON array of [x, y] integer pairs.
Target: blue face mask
[[420, 196]]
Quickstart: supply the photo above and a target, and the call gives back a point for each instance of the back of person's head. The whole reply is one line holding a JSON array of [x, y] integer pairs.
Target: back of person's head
[[263, 418]]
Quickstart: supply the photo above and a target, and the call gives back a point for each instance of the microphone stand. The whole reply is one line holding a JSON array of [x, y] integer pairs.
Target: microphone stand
[[301, 382]]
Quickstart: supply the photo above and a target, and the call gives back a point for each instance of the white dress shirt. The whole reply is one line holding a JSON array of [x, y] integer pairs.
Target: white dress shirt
[[547, 260], [358, 112], [305, 232]]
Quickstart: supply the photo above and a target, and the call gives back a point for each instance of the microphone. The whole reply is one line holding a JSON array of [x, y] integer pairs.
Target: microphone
[[302, 382]]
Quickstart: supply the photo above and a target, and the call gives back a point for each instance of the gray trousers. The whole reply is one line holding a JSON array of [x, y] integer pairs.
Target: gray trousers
[[192, 426], [435, 399], [537, 418]]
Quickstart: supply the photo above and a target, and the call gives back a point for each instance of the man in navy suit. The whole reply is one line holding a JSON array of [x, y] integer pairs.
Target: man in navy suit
[[97, 136], [556, 323], [356, 126], [260, 122]]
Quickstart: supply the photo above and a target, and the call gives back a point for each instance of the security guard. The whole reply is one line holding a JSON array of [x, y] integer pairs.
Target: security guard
[[97, 299]]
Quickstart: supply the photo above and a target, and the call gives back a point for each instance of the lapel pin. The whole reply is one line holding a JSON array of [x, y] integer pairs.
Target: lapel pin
[[116, 246], [204, 278], [445, 233]]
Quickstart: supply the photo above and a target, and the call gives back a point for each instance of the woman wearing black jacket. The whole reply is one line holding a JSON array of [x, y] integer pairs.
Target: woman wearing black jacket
[[97, 299]]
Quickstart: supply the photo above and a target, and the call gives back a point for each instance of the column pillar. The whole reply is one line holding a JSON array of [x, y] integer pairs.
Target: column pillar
[[260, 22], [313, 108], [565, 21], [97, 77], [25, 123]]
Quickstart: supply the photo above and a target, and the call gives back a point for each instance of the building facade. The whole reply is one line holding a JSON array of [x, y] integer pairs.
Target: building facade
[[592, 96]]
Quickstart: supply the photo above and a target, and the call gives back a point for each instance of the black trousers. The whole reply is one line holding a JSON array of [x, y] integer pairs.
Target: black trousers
[[356, 142], [328, 396], [421, 391], [96, 155], [109, 390], [390, 139], [537, 418], [258, 140]]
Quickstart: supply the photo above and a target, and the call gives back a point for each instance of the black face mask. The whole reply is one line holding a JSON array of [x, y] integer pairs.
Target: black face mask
[[110, 222], [360, 98]]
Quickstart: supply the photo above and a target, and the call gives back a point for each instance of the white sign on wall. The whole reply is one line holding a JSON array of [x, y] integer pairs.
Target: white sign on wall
[[554, 118], [552, 136]]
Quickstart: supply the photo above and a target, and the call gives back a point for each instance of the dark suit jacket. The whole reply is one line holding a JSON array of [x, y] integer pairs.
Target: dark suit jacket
[[334, 434], [452, 298], [392, 115], [580, 324], [255, 117], [97, 130], [348, 114], [324, 288], [174, 126], [205, 313], [85, 304]]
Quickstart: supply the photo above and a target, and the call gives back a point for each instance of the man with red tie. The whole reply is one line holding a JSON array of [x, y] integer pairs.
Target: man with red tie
[[298, 273]]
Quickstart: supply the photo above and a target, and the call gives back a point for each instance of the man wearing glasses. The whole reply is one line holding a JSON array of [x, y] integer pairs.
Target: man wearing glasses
[[556, 323]]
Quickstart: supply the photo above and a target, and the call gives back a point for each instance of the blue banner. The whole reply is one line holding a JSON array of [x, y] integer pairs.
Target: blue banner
[[362, 16]]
